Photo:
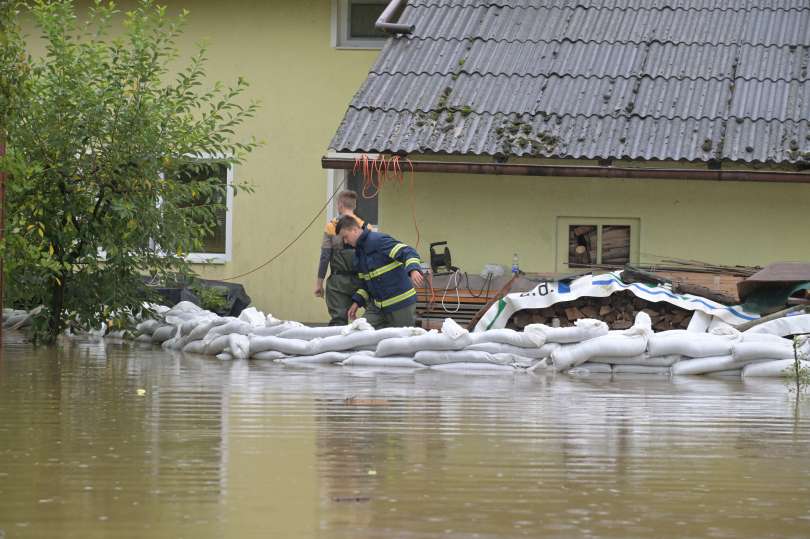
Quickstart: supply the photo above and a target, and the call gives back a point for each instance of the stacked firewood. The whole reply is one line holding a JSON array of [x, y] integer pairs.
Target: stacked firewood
[[617, 310]]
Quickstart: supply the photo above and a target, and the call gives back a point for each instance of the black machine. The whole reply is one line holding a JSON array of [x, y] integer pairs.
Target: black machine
[[441, 262]]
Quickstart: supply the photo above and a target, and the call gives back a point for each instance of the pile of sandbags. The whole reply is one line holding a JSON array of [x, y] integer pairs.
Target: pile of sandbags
[[585, 348]]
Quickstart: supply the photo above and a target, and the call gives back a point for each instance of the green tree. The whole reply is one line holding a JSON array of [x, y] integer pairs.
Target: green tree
[[106, 134]]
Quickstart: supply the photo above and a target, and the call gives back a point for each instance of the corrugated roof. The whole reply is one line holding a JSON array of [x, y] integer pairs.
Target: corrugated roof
[[693, 80]]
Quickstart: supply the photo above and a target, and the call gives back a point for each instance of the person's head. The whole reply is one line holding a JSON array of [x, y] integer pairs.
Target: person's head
[[348, 229], [346, 202]]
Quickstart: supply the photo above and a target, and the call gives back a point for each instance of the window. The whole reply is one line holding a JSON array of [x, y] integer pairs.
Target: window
[[217, 244], [353, 24], [590, 241]]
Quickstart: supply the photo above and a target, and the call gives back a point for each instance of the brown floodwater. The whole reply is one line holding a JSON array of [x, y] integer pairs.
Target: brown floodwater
[[111, 440]]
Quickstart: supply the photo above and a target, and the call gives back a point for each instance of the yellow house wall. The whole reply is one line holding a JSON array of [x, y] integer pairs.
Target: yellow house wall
[[486, 219]]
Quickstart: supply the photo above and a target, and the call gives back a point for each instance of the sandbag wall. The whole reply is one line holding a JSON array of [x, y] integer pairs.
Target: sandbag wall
[[586, 347]]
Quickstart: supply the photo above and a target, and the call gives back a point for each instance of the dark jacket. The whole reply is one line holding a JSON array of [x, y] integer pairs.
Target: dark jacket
[[384, 266]]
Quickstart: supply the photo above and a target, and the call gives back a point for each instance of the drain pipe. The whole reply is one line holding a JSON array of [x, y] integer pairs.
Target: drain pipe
[[384, 22]]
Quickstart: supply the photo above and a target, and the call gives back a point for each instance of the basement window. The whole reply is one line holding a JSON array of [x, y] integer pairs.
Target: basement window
[[353, 24], [592, 241]]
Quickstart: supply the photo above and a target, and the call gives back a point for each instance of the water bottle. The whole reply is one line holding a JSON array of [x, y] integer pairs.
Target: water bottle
[[515, 266]]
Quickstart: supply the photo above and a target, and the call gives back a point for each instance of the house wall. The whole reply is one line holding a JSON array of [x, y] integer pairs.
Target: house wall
[[486, 219]]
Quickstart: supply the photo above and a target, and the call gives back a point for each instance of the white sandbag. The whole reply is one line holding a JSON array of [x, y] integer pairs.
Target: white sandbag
[[239, 345], [788, 325], [659, 370], [690, 344], [433, 357], [290, 347], [274, 331], [216, 345], [542, 365], [583, 329], [163, 333], [235, 326], [408, 346], [253, 317], [628, 343], [644, 360], [700, 322], [224, 356], [176, 342], [271, 355], [360, 340], [144, 338], [750, 350], [308, 333], [358, 324], [147, 327], [202, 328], [591, 368], [325, 358], [703, 365], [185, 307], [474, 367], [194, 347], [531, 337], [451, 328], [516, 360], [366, 360], [772, 369], [498, 348]]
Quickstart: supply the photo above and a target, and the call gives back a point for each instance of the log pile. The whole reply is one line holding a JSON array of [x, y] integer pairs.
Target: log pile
[[617, 310]]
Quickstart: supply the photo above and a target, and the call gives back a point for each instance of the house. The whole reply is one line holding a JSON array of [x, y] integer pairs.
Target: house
[[592, 131]]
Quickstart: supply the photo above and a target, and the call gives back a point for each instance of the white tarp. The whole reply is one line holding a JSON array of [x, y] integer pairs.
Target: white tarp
[[547, 294]]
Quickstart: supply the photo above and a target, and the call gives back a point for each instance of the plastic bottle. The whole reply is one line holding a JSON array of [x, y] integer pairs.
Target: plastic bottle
[[515, 265]]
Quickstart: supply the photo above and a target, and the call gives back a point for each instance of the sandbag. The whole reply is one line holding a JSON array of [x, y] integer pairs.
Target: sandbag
[[253, 317], [498, 348], [628, 343], [690, 344], [185, 307], [749, 350], [144, 338], [532, 337], [644, 359], [194, 347], [735, 373], [239, 345], [408, 346], [788, 325], [591, 368], [659, 370], [290, 347], [325, 358], [216, 345], [358, 340], [703, 365], [147, 327], [583, 329], [235, 326], [224, 356], [163, 333], [268, 355], [274, 331], [366, 360], [432, 357], [307, 333], [202, 329], [473, 367], [772, 369]]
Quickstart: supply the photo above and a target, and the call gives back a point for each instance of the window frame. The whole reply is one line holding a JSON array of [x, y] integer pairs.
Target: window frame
[[341, 38], [227, 256], [563, 224], [333, 179]]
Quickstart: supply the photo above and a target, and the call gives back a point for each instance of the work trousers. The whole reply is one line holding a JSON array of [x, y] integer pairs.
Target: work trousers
[[338, 295], [401, 318]]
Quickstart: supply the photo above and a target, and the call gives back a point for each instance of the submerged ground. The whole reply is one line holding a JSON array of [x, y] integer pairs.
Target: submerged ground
[[111, 440]]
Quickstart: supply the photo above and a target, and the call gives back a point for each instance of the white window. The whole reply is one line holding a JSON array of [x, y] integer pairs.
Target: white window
[[368, 207], [217, 245], [353, 24]]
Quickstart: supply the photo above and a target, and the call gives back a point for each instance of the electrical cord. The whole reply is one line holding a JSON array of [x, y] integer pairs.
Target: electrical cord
[[294, 240]]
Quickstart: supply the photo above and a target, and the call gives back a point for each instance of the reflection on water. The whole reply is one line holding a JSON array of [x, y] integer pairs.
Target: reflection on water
[[255, 449]]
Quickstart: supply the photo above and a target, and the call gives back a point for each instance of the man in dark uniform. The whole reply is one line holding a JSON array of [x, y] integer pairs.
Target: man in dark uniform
[[388, 271], [343, 281]]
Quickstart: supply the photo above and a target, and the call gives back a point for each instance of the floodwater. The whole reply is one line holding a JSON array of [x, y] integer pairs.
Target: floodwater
[[256, 449]]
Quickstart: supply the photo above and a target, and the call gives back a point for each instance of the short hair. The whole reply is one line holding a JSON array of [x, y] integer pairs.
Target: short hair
[[347, 199], [347, 222]]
